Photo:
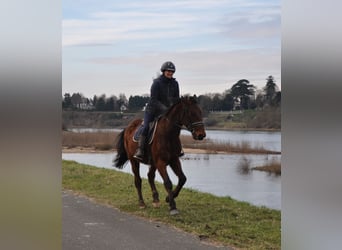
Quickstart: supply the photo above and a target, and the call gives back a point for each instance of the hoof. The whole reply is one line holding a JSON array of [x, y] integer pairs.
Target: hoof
[[174, 212], [142, 206], [156, 204]]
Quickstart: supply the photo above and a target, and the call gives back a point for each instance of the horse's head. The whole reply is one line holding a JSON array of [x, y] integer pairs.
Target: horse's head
[[192, 118]]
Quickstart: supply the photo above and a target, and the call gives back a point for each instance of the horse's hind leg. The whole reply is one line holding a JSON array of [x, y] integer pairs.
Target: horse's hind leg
[[151, 175], [137, 182], [177, 169]]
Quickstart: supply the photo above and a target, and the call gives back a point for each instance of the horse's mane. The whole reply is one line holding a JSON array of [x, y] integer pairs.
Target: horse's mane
[[192, 99]]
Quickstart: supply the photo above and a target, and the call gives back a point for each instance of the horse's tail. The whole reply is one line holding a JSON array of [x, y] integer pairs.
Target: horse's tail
[[121, 156]]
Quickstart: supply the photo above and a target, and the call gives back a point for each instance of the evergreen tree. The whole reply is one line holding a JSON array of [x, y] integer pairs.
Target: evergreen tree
[[270, 90], [228, 102], [242, 90], [136, 103], [94, 100], [101, 103], [66, 104], [204, 101], [109, 106]]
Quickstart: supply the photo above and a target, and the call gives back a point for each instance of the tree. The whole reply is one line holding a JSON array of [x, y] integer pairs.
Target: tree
[[270, 90], [217, 102], [109, 106], [76, 100], [122, 101], [228, 102], [204, 101], [136, 103], [241, 91], [259, 100], [66, 104], [101, 103], [277, 99], [94, 100]]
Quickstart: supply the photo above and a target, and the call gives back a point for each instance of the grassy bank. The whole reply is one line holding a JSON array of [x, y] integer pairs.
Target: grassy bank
[[266, 119], [216, 219]]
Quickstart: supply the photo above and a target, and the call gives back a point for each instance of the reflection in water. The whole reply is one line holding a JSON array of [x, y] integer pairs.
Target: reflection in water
[[214, 173], [243, 166]]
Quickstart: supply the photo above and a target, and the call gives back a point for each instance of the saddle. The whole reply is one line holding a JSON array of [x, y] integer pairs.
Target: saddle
[[151, 130]]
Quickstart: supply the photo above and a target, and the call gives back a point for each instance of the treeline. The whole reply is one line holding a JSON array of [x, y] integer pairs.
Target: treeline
[[241, 96]]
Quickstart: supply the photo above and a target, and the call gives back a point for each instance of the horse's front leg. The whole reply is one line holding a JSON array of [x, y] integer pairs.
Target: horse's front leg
[[168, 186], [137, 182], [151, 175], [177, 169]]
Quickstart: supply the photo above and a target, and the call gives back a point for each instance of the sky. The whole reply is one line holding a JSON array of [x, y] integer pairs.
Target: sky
[[117, 47]]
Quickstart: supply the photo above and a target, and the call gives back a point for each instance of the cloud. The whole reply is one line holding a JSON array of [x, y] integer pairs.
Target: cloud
[[178, 19], [202, 67], [253, 24], [113, 27], [212, 43]]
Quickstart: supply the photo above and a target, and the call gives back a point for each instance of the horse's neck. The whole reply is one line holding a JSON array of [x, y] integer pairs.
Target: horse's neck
[[173, 122]]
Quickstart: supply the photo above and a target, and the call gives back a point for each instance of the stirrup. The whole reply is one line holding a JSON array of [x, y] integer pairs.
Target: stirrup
[[138, 155]]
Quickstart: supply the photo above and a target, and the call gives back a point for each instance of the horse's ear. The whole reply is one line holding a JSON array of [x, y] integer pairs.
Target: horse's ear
[[193, 98]]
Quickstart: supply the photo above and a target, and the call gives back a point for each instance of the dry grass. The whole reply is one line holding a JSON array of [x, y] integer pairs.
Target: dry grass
[[105, 141], [213, 146], [274, 166], [97, 140]]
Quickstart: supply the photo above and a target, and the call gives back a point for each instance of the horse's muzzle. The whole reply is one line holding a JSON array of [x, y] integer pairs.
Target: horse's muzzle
[[198, 135]]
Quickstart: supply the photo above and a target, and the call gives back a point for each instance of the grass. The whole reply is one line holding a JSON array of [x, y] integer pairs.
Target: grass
[[268, 118], [274, 166], [216, 219]]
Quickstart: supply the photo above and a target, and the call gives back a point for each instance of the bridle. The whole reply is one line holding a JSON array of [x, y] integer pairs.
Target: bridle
[[191, 126]]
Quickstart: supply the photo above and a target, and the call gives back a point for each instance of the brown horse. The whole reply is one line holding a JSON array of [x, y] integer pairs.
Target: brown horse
[[164, 149]]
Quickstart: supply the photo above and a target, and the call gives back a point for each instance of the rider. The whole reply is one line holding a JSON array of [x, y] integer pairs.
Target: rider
[[164, 93]]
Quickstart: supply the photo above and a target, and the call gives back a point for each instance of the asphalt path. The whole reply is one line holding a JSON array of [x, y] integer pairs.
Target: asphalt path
[[87, 225]]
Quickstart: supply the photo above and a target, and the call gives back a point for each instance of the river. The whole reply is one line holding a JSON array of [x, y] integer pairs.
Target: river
[[269, 140], [218, 174]]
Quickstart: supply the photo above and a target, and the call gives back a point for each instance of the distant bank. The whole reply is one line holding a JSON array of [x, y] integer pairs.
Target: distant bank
[[265, 120]]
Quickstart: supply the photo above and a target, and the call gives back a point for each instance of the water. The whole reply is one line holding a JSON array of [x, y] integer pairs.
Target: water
[[268, 140], [212, 173]]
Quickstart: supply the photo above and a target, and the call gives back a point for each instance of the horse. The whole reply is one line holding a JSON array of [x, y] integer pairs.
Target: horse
[[164, 149]]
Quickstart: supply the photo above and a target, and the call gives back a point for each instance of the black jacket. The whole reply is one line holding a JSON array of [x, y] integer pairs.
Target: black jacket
[[164, 93]]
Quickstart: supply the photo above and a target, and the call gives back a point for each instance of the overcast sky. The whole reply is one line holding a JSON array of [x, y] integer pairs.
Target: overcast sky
[[113, 47]]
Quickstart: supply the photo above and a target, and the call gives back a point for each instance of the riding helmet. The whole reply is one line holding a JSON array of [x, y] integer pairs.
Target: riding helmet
[[168, 66]]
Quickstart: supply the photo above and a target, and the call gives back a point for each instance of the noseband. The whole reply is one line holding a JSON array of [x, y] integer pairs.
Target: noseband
[[193, 125]]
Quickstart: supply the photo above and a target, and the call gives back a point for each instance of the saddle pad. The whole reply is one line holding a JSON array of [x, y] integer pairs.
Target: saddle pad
[[150, 134]]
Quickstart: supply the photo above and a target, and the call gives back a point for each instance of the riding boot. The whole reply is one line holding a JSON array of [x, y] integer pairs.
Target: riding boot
[[141, 146]]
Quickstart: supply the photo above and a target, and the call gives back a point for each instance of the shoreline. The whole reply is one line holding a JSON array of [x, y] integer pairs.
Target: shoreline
[[206, 128], [94, 150]]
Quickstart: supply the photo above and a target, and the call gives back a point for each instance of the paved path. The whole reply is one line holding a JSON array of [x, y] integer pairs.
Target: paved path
[[90, 226]]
